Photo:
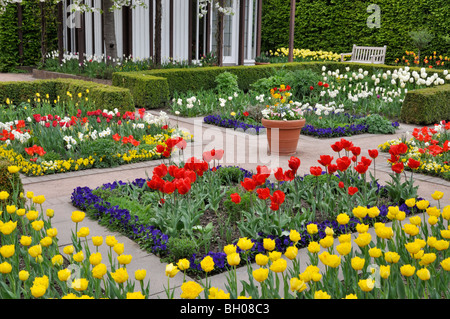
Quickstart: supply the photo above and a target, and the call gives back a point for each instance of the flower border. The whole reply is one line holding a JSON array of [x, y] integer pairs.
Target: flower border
[[82, 198], [308, 129]]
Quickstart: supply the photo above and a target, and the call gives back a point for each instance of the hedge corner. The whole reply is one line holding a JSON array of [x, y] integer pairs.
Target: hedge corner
[[426, 106], [148, 91]]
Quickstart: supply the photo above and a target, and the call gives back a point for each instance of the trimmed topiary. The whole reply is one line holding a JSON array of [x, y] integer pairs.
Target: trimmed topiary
[[427, 106]]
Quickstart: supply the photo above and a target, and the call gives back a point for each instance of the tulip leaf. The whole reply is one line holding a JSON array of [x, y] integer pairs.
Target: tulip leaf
[[401, 292]]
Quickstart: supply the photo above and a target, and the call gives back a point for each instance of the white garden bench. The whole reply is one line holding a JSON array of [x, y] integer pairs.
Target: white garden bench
[[359, 54]]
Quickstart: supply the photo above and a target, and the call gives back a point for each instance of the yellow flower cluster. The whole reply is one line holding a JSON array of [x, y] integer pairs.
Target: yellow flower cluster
[[38, 169], [367, 263], [46, 273], [60, 166], [307, 54]]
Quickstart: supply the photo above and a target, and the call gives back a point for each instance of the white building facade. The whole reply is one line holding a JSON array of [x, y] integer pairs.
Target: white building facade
[[182, 28]]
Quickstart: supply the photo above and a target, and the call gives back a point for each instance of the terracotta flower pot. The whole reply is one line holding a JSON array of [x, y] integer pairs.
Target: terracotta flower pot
[[288, 133]]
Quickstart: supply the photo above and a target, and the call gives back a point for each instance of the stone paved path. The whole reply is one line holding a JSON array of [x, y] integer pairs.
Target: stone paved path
[[4, 77]]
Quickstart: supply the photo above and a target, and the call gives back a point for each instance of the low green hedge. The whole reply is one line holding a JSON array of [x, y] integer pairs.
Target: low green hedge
[[154, 88], [102, 96], [427, 106], [148, 91]]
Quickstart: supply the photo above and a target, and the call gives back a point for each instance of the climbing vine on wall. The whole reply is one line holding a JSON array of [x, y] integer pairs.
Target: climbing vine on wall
[[31, 30]]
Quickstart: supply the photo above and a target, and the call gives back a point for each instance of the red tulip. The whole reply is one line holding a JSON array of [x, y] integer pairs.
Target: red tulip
[[248, 184], [413, 164], [278, 197], [294, 163], [235, 198], [191, 175], [274, 206], [361, 168], [183, 185], [346, 145], [316, 170], [172, 142], [168, 188], [160, 170], [263, 193], [398, 167], [373, 153], [279, 175], [325, 160], [337, 147], [259, 179], [182, 144], [343, 163], [289, 175], [366, 161], [332, 168], [263, 170], [341, 184], [160, 148], [352, 190], [394, 158], [355, 150], [398, 149], [217, 154]]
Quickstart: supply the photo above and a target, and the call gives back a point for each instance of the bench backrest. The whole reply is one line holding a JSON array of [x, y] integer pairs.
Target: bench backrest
[[363, 54]]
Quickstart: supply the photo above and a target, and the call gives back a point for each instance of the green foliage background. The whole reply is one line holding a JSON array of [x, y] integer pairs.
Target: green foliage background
[[31, 27], [335, 25]]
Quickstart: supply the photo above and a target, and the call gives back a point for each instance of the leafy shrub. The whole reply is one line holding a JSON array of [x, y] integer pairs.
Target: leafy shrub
[[377, 124], [262, 86], [226, 83], [230, 175], [233, 210], [182, 247], [300, 82]]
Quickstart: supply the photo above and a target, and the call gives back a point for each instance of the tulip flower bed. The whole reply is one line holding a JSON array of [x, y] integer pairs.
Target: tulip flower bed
[[402, 261], [427, 151], [32, 266], [333, 103], [45, 139], [195, 209]]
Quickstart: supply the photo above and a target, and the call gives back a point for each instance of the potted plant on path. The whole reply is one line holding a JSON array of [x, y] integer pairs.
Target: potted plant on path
[[283, 121]]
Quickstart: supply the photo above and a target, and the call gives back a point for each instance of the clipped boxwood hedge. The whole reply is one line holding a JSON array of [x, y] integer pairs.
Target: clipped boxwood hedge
[[102, 96], [427, 106], [148, 90]]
